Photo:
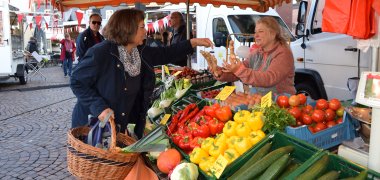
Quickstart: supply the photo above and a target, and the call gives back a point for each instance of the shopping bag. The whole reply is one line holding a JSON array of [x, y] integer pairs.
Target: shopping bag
[[141, 171], [336, 16], [100, 133]]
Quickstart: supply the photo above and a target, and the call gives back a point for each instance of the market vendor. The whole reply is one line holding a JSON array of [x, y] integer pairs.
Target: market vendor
[[270, 67], [116, 76]]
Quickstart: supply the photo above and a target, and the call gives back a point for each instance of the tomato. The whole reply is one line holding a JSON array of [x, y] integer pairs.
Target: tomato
[[318, 116], [339, 120], [299, 123], [302, 98], [330, 124], [334, 104], [311, 129], [295, 112], [294, 100], [283, 101], [307, 109], [322, 104], [330, 115], [319, 127], [340, 111], [306, 119]]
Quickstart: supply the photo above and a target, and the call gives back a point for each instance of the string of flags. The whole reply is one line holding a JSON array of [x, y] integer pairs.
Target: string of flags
[[158, 25]]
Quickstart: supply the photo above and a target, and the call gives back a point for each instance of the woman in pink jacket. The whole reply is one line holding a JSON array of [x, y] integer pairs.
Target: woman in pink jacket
[[270, 67], [67, 54]]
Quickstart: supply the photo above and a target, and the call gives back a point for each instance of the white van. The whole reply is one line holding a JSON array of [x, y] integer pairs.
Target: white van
[[12, 59], [324, 61]]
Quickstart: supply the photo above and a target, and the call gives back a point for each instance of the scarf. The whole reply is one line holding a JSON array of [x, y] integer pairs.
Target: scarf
[[131, 61], [68, 45]]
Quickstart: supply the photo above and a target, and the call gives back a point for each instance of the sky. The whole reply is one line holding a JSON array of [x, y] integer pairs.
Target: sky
[[21, 4]]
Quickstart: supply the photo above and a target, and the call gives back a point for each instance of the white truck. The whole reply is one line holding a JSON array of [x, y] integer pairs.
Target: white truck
[[324, 61], [11, 60]]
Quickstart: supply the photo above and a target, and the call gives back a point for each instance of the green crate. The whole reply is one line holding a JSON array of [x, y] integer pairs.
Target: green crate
[[303, 152], [186, 100], [337, 163]]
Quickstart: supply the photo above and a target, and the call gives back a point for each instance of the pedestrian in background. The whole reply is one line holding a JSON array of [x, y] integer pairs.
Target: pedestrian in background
[[90, 36], [67, 54], [157, 40], [165, 38], [117, 77], [178, 24]]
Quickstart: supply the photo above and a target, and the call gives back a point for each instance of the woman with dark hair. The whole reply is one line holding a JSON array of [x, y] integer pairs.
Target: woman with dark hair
[[116, 76], [270, 66]]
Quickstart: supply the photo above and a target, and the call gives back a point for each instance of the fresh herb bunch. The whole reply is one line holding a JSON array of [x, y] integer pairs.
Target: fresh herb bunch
[[276, 118]]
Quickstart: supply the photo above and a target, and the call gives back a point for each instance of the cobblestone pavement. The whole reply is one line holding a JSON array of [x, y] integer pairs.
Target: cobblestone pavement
[[33, 127]]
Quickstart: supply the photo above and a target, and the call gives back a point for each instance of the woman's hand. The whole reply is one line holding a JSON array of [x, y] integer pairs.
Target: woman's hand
[[233, 65], [201, 42], [217, 72], [103, 115]]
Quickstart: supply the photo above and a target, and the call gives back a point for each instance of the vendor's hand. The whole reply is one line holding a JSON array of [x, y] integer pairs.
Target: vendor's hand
[[231, 66], [201, 42], [103, 115], [217, 72]]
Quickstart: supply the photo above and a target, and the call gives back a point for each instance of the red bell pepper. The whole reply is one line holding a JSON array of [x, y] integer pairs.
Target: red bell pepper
[[223, 114]]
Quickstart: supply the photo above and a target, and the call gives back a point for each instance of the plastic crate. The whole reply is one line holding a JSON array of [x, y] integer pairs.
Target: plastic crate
[[186, 100], [337, 163], [303, 153], [329, 137]]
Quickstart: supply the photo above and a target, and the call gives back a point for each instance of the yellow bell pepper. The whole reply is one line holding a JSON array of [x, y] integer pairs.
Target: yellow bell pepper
[[206, 163], [255, 122], [220, 139], [241, 116], [231, 155], [197, 154], [231, 141], [216, 150], [254, 137], [207, 144], [242, 144], [243, 130], [229, 128], [260, 133]]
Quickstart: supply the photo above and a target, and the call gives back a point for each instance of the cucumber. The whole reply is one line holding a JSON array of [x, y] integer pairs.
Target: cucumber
[[289, 169], [315, 170], [260, 166], [257, 156], [276, 168], [329, 176]]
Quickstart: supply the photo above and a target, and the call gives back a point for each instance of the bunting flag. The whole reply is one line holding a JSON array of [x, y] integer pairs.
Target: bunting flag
[[29, 20], [38, 4], [20, 17], [38, 21], [79, 17], [47, 21]]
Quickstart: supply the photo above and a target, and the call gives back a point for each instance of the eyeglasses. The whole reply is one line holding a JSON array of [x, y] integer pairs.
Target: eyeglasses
[[97, 22]]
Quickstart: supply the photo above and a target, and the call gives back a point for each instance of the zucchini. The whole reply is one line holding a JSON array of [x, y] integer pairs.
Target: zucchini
[[315, 170], [257, 156], [329, 176], [276, 168], [260, 166], [289, 169]]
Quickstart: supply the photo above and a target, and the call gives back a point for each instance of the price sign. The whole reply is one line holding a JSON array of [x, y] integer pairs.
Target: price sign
[[266, 101], [166, 70], [227, 90], [165, 119], [177, 73], [219, 165]]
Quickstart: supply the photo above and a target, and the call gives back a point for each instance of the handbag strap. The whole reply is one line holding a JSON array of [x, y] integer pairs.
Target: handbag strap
[[101, 124]]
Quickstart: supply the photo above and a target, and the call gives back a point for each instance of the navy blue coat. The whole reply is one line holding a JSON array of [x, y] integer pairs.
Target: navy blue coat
[[100, 82], [84, 41]]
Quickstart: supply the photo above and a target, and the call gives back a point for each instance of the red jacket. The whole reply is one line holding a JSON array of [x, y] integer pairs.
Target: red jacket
[[63, 50]]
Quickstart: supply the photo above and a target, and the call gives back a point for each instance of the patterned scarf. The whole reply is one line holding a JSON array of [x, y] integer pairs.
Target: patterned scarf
[[131, 61]]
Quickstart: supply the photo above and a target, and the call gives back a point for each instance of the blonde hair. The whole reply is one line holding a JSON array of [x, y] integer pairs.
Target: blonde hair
[[273, 25]]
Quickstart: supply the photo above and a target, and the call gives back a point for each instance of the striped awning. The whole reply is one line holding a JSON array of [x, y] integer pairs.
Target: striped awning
[[258, 5]]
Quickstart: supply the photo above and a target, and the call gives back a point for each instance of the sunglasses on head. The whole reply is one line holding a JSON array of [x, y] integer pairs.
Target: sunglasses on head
[[96, 22]]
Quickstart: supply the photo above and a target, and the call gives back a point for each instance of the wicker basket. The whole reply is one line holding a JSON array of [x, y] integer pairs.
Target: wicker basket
[[87, 162]]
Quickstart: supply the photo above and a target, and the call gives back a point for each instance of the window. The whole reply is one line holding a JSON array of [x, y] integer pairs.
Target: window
[[220, 32]]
